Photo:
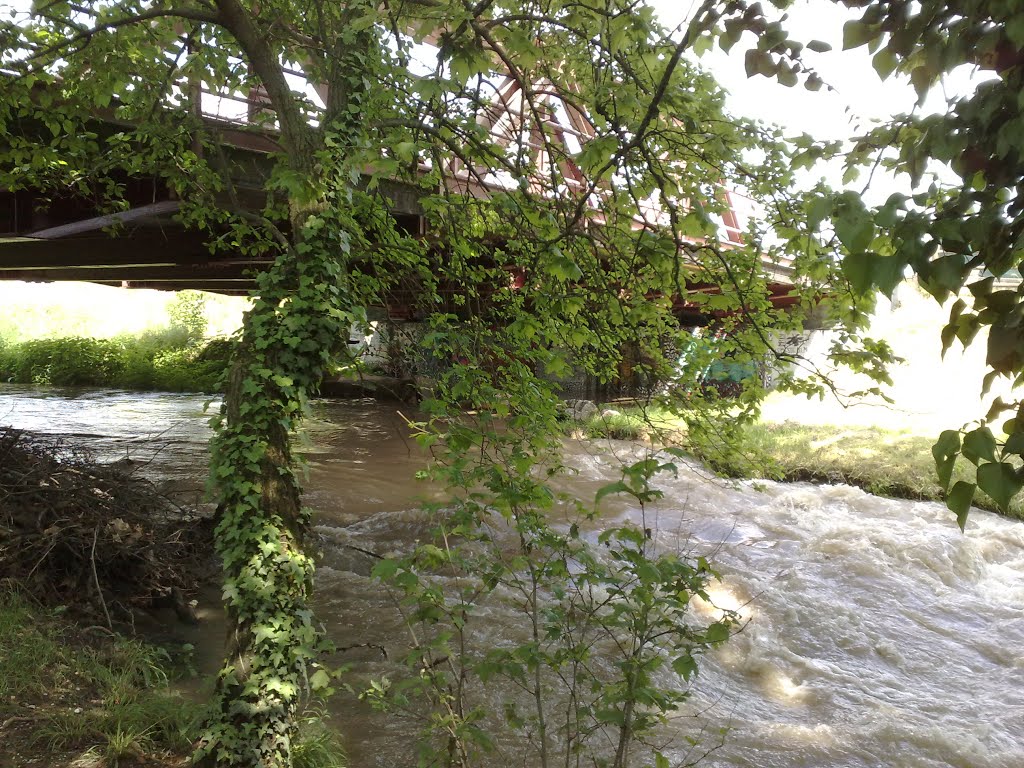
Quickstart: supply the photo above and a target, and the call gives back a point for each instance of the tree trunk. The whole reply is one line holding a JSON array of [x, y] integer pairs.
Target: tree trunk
[[298, 323], [296, 326], [267, 574]]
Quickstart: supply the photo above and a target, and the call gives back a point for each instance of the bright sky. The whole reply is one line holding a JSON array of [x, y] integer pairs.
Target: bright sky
[[823, 112], [858, 98]]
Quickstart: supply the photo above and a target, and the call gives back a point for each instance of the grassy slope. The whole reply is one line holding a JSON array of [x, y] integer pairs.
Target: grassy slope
[[69, 692], [84, 697], [884, 462]]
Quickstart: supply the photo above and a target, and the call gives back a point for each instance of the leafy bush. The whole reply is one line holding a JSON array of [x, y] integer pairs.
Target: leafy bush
[[167, 360], [71, 361], [188, 315]]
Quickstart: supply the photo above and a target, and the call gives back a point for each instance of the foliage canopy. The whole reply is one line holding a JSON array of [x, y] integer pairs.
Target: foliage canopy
[[570, 165]]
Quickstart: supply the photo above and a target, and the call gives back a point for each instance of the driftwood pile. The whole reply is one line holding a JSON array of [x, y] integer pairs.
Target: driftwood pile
[[94, 537]]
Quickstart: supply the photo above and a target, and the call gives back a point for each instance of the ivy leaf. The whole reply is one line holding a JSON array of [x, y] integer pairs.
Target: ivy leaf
[[959, 501], [319, 680]]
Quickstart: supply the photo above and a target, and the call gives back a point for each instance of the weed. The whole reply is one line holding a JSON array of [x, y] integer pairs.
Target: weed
[[317, 746], [124, 745], [110, 695]]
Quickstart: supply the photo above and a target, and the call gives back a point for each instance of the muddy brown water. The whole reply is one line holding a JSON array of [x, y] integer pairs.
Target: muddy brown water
[[879, 635]]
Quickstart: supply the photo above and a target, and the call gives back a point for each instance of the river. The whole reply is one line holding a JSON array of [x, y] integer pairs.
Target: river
[[878, 634]]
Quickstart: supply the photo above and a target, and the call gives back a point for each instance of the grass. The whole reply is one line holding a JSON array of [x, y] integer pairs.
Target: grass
[[626, 422], [317, 746], [886, 462], [88, 697], [85, 691]]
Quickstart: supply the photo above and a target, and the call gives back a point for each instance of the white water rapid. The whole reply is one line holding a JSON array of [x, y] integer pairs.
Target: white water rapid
[[878, 634]]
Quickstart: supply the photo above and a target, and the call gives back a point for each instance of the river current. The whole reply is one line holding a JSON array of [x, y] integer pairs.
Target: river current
[[878, 634]]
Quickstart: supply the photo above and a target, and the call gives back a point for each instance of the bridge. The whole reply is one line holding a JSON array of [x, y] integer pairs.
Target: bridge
[[46, 238]]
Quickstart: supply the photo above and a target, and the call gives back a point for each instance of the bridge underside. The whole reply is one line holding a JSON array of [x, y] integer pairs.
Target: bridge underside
[[65, 239]]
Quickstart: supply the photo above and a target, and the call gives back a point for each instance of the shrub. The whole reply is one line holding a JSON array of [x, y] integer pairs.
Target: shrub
[[188, 315], [628, 424], [160, 360], [70, 361]]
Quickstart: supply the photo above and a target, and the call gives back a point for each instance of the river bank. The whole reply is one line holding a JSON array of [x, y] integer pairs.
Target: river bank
[[99, 568], [893, 462]]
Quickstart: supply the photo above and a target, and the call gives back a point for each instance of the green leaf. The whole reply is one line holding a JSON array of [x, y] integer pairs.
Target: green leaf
[[385, 569], [1015, 30], [1000, 481], [607, 490], [685, 665], [945, 451], [819, 46], [979, 444], [758, 62], [405, 151], [1015, 444], [857, 33], [854, 225], [866, 270], [717, 633], [787, 76], [857, 268], [818, 209], [884, 62], [959, 501], [813, 82], [921, 78]]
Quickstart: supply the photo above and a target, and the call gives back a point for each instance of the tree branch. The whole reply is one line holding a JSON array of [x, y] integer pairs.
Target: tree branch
[[296, 132], [86, 35]]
